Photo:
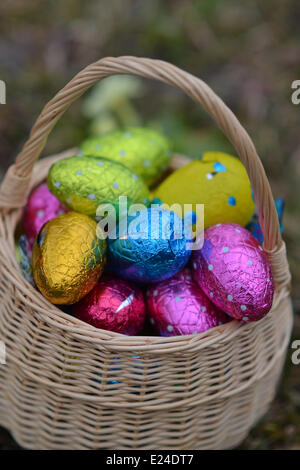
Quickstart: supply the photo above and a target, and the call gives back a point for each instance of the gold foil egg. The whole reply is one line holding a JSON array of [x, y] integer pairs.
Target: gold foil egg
[[68, 258], [219, 181], [145, 151], [83, 183]]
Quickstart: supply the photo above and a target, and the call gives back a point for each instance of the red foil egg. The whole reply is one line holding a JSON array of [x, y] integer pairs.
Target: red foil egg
[[41, 207], [233, 271], [178, 307], [114, 305]]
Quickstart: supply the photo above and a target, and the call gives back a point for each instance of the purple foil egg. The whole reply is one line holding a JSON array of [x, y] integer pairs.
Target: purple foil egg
[[41, 207], [177, 306], [233, 271]]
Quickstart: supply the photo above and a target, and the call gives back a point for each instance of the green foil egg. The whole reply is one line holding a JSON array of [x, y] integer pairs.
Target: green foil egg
[[83, 184], [145, 151]]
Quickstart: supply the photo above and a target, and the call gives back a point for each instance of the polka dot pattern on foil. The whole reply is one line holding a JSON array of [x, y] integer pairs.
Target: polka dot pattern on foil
[[231, 201], [241, 274], [219, 167]]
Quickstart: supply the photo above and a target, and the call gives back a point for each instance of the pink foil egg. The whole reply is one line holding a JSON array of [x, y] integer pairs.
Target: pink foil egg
[[233, 271], [114, 305], [177, 306], [41, 207]]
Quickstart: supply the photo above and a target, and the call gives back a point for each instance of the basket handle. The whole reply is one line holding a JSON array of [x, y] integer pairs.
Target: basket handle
[[15, 187]]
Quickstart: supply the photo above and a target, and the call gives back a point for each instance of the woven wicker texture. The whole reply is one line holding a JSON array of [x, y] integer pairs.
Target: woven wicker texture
[[67, 385]]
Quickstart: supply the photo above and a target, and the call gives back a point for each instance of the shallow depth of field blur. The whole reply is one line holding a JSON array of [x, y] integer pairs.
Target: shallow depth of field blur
[[248, 52]]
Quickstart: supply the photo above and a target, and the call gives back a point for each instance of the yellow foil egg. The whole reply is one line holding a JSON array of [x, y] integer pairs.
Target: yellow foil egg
[[82, 184], [68, 258], [145, 151], [219, 181]]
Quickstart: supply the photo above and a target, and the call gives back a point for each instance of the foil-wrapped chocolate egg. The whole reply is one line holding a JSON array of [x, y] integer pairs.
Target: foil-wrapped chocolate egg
[[254, 225], [233, 271], [113, 304], [42, 206], [23, 256], [83, 184], [219, 181], [178, 306], [68, 258], [152, 247], [145, 151]]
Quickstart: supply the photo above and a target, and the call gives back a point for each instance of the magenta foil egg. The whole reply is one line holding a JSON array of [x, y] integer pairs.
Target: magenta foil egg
[[233, 271], [177, 306], [41, 207], [114, 305]]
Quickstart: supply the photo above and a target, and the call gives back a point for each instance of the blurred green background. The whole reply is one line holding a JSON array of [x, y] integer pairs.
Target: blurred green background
[[248, 52]]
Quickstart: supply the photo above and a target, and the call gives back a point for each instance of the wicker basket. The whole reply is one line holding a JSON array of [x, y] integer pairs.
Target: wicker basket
[[67, 385]]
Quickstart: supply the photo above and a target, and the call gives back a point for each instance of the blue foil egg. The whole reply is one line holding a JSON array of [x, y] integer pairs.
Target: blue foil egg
[[254, 225], [152, 246], [25, 259]]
